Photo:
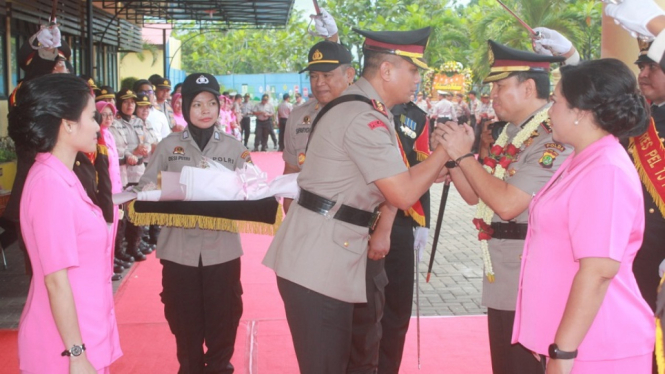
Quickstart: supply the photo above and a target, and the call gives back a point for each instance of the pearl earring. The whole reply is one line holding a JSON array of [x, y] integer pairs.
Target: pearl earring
[[577, 122]]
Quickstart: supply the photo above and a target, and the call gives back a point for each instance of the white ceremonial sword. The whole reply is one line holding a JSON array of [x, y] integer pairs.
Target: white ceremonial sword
[[417, 250]]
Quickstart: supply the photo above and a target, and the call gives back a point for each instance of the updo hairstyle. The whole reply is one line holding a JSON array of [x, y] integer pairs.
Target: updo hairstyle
[[608, 89], [42, 103]]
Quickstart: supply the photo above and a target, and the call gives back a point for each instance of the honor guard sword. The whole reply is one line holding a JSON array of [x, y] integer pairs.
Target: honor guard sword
[[418, 305], [535, 34], [316, 8], [437, 230], [54, 10]]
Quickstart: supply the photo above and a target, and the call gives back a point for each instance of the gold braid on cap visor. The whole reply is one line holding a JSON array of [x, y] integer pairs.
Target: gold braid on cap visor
[[323, 62], [412, 56]]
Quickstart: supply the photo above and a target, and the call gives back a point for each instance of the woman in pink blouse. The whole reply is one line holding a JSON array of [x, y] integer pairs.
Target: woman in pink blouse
[[578, 301], [68, 324]]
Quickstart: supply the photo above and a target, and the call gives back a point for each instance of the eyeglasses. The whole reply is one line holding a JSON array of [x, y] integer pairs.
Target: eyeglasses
[[146, 92], [107, 115]]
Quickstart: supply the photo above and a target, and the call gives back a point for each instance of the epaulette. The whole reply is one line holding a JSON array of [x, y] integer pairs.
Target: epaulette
[[380, 107], [546, 125], [12, 97]]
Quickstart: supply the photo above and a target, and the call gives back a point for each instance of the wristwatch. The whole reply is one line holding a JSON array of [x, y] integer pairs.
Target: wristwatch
[[75, 350], [450, 164], [556, 353]]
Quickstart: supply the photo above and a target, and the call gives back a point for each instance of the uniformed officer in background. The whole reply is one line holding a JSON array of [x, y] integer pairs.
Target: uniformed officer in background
[[353, 165], [409, 231]]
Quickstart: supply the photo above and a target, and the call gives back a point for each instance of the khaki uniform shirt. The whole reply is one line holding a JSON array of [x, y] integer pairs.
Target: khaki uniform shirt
[[128, 136], [530, 172], [297, 131], [186, 246], [351, 147]]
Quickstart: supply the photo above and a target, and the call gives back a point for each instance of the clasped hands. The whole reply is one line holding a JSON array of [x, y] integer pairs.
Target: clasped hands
[[456, 140]]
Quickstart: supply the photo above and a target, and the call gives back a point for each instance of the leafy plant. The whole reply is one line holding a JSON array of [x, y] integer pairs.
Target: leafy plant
[[7, 150]]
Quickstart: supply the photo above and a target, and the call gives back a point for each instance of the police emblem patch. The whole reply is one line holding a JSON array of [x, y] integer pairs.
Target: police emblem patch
[[301, 158], [178, 151], [306, 120], [547, 160]]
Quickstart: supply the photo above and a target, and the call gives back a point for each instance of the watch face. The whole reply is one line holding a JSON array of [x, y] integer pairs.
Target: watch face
[[76, 350]]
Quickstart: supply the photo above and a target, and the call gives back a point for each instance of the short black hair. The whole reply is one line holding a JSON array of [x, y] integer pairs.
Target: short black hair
[[286, 96], [607, 88], [473, 93], [372, 60], [541, 80], [238, 96]]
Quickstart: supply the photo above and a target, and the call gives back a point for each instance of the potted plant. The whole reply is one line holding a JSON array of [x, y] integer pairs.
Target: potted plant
[[7, 164]]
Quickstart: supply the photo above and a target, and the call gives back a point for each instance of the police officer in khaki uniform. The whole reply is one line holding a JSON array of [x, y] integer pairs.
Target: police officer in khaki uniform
[[353, 166], [520, 95], [201, 268]]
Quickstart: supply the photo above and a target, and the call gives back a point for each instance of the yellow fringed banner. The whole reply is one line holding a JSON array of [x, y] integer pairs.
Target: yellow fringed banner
[[204, 222], [647, 150]]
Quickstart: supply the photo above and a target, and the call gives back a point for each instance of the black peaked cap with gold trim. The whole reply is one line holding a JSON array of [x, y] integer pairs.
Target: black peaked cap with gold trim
[[104, 92], [326, 56], [504, 61], [644, 50], [142, 100], [407, 44]]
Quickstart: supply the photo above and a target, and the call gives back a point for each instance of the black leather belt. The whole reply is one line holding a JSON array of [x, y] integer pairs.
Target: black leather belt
[[509, 230], [346, 213]]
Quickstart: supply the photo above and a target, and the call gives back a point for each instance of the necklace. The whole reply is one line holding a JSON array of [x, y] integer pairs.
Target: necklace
[[501, 156]]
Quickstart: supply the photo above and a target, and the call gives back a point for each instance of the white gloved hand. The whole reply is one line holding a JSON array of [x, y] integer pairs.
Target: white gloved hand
[[634, 15], [551, 40], [420, 236], [325, 24], [661, 269], [56, 37], [46, 38]]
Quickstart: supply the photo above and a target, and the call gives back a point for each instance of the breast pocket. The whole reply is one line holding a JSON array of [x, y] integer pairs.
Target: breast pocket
[[350, 237]]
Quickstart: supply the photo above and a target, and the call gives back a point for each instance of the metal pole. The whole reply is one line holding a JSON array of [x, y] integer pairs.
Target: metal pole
[[90, 55], [166, 57]]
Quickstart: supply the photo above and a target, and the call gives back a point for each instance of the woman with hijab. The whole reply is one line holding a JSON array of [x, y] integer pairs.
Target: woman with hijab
[[201, 268], [68, 324]]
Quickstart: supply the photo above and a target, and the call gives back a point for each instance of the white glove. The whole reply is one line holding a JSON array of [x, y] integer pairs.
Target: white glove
[[634, 15], [552, 41], [47, 36], [420, 235], [661, 269], [325, 24]]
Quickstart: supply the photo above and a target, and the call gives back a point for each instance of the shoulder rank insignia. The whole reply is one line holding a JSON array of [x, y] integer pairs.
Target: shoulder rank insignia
[[377, 124], [380, 107], [178, 151], [246, 156], [546, 126]]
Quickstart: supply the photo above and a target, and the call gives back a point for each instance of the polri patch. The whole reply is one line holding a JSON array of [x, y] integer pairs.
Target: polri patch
[[556, 146], [547, 160], [377, 124], [178, 151]]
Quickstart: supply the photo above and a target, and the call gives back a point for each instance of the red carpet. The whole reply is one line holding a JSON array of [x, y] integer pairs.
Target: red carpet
[[456, 345]]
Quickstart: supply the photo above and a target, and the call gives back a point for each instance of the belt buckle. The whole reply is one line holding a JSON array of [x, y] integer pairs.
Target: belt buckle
[[374, 220]]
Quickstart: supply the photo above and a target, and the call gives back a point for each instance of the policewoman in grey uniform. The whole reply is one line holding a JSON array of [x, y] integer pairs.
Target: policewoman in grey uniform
[[353, 166], [201, 268]]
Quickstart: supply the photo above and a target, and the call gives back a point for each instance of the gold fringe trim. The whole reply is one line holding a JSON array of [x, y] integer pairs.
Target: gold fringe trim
[[203, 222], [421, 156], [660, 350], [644, 177], [420, 220]]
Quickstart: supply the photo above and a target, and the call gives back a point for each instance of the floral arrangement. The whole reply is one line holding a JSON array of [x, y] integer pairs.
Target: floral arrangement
[[448, 68], [501, 156]]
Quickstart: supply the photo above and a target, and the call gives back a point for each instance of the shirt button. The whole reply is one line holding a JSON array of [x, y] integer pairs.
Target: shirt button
[[651, 210], [78, 163], [346, 244]]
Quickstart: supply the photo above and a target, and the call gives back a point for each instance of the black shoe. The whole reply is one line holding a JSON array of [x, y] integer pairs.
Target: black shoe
[[124, 257], [118, 269], [116, 277], [145, 248], [125, 264], [138, 255], [255, 150]]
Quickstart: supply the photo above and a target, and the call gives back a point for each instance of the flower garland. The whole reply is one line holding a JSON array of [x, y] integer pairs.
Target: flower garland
[[496, 164]]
